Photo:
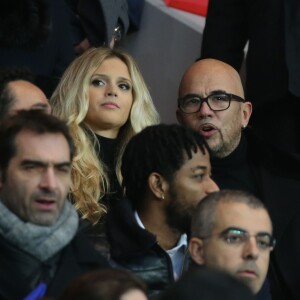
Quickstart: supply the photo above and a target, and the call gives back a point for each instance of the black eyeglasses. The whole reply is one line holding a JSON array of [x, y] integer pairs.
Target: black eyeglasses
[[192, 103], [238, 236]]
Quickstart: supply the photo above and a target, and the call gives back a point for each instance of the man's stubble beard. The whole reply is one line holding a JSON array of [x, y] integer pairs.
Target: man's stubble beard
[[222, 148], [177, 217]]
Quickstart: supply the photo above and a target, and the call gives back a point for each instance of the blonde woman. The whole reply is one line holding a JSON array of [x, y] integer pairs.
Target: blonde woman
[[104, 99]]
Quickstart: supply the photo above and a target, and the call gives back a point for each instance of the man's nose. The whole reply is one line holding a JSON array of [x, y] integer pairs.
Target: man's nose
[[205, 110], [211, 186], [250, 250], [48, 180]]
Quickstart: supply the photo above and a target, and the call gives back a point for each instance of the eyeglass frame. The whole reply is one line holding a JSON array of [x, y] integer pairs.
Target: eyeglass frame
[[222, 235], [205, 99]]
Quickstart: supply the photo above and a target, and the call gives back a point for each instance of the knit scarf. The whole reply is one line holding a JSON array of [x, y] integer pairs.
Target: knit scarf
[[40, 241]]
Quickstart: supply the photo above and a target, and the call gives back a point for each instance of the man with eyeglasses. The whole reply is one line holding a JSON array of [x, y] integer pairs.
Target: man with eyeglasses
[[232, 231], [217, 111], [211, 101]]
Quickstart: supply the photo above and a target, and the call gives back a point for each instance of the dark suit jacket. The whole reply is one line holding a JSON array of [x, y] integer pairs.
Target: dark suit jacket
[[52, 56], [282, 197], [230, 24], [100, 17], [77, 258], [135, 10]]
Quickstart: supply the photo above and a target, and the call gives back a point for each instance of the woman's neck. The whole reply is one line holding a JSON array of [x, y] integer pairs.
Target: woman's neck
[[109, 133]]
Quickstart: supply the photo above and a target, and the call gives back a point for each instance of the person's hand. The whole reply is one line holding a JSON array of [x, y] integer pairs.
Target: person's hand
[[82, 46], [112, 43]]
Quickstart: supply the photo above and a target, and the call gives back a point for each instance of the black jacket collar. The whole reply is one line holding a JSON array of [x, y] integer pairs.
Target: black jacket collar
[[126, 237]]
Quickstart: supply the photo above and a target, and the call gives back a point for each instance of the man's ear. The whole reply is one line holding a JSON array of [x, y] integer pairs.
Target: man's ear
[[179, 116], [196, 250], [246, 111], [157, 185]]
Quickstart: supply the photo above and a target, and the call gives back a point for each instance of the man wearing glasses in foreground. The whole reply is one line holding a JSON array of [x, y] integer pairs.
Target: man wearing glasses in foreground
[[211, 102], [232, 231]]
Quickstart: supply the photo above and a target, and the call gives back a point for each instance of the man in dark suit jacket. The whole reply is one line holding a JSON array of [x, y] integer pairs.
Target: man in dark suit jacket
[[212, 102], [98, 22], [40, 244], [272, 28], [36, 35]]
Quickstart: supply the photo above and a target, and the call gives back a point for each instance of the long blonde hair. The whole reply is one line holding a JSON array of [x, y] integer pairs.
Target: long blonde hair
[[70, 102]]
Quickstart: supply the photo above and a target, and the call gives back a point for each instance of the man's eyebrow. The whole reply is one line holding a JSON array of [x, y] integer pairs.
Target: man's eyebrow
[[234, 229], [190, 95], [214, 92], [264, 233], [245, 231], [40, 106], [199, 168], [33, 162], [63, 164], [44, 164]]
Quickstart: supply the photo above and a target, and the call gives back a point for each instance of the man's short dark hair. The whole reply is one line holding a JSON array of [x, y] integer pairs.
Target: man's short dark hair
[[8, 75], [204, 216], [158, 148], [32, 120]]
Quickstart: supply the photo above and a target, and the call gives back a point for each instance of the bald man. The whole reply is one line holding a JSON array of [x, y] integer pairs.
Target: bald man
[[18, 91], [224, 111], [211, 101]]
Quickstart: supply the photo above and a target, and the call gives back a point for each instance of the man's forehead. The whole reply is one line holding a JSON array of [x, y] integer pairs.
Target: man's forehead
[[46, 146], [198, 159], [206, 76], [27, 94], [204, 86], [236, 214]]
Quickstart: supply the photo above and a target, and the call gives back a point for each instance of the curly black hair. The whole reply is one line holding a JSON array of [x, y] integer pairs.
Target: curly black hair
[[158, 148]]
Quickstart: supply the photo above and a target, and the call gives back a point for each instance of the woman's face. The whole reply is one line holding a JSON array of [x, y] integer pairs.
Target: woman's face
[[110, 98]]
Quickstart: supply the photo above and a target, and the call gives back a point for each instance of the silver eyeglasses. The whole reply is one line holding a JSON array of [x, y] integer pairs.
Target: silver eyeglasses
[[238, 236]]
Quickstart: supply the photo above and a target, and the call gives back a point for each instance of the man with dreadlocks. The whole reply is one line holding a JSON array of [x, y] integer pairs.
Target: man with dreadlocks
[[166, 172]]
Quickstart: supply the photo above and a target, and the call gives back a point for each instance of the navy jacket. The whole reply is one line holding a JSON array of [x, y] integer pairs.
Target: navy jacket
[[77, 258]]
